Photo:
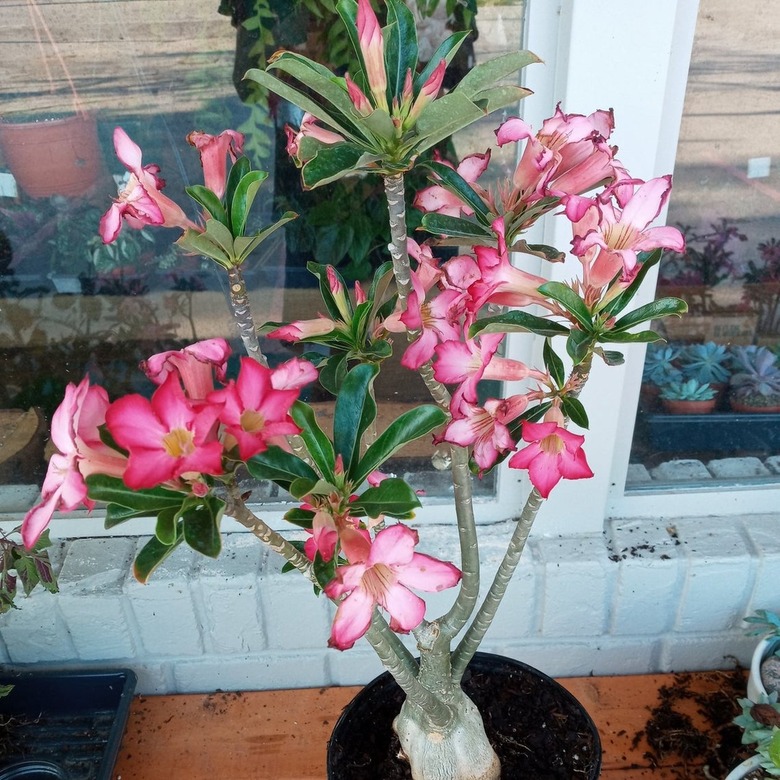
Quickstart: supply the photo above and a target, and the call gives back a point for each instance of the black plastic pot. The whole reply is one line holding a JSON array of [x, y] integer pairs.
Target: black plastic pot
[[64, 725], [537, 728]]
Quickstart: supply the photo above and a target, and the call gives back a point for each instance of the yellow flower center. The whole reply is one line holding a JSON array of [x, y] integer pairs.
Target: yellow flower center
[[252, 421], [377, 580], [620, 236], [178, 443], [552, 444]]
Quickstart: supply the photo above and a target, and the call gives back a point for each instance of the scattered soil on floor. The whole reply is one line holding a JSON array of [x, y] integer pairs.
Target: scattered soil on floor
[[712, 747]]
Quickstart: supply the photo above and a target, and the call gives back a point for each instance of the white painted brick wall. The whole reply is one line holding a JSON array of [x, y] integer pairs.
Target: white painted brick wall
[[643, 597]]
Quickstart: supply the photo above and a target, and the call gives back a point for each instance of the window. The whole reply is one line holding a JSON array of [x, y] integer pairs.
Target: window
[[71, 71]]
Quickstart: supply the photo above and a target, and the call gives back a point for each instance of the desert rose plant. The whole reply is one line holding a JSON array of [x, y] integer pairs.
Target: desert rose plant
[[179, 455]]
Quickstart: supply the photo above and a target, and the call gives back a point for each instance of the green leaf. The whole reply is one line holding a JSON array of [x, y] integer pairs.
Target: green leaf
[[445, 225], [575, 411], [317, 443], [610, 357], [489, 74], [200, 244], [153, 553], [617, 305], [447, 50], [451, 180], [400, 39], [663, 307], [166, 529], [238, 170], [578, 344], [324, 571], [200, 523], [147, 502], [329, 164], [333, 242], [300, 517], [553, 364], [623, 337], [280, 467], [548, 253], [355, 411], [409, 426], [332, 373], [206, 198], [518, 322], [392, 496], [242, 200], [490, 100], [302, 487], [443, 117], [570, 301], [245, 245]]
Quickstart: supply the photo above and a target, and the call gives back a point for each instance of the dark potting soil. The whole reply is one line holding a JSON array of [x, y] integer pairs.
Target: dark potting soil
[[536, 727], [715, 743]]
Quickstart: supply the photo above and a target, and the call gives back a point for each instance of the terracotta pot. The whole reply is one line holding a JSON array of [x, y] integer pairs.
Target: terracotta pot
[[53, 156], [765, 648], [736, 406], [689, 407], [518, 704], [744, 768]]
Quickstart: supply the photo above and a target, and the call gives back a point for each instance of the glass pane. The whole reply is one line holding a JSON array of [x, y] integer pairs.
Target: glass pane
[[72, 70], [721, 359]]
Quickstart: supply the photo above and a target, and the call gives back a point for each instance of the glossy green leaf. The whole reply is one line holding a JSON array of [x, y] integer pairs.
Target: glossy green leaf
[[409, 426], [280, 467], [400, 38], [488, 74], [245, 245], [221, 236], [623, 337], [200, 244], [451, 180], [575, 411], [553, 364], [570, 301], [610, 357], [663, 307], [152, 554], [355, 411], [200, 523], [331, 163], [166, 527], [518, 322], [447, 50], [490, 100], [619, 303], [243, 199], [302, 487], [578, 344], [392, 496], [300, 517], [445, 225], [549, 253], [206, 198], [324, 571], [238, 170], [318, 445], [333, 372], [443, 117], [112, 490]]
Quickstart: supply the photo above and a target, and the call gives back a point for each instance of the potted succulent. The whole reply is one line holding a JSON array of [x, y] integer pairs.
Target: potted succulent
[[689, 396], [755, 383], [706, 363], [184, 454], [767, 625], [660, 369], [760, 722]]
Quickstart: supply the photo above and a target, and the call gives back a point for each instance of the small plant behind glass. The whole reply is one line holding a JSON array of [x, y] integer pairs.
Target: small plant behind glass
[[661, 364], [179, 455], [705, 362], [755, 382]]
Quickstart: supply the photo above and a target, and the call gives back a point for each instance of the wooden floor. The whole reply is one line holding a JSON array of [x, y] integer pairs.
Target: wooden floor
[[281, 735]]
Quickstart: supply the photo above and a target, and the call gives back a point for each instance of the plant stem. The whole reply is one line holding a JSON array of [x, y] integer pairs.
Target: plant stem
[[466, 648], [242, 314], [237, 509]]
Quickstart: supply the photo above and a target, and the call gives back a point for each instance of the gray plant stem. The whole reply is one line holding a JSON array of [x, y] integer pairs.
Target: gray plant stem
[[475, 633], [237, 509], [461, 475], [242, 314]]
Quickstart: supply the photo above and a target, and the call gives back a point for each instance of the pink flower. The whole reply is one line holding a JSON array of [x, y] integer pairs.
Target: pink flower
[[608, 239], [213, 149], [357, 97], [308, 129], [485, 427], [380, 573], [373, 50], [166, 437], [141, 202], [554, 453], [303, 329], [442, 201], [194, 365], [293, 375], [75, 434], [428, 92], [253, 411]]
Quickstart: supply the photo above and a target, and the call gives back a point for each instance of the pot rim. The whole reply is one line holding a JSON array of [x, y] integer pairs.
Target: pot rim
[[754, 762], [765, 648]]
